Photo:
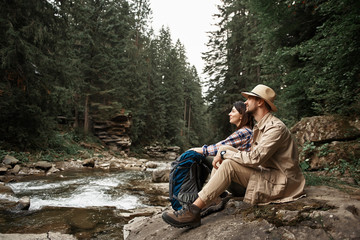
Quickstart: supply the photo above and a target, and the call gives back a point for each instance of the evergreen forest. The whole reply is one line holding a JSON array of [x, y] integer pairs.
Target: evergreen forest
[[74, 58]]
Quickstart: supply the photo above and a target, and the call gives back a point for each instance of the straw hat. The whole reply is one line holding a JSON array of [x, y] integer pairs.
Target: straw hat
[[263, 92]]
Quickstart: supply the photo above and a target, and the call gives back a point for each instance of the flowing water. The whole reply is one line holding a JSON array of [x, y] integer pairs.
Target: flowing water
[[87, 203]]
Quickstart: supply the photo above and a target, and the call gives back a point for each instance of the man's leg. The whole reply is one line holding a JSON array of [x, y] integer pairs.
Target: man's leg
[[219, 181], [229, 171], [235, 189]]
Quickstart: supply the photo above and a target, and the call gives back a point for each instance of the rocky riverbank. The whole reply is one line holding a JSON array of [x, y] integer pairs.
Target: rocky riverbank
[[326, 213], [329, 146], [155, 186]]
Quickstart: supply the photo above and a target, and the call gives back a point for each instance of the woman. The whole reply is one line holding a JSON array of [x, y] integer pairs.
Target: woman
[[240, 139]]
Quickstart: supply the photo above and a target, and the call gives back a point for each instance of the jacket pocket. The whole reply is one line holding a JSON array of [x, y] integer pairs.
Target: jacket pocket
[[268, 186]]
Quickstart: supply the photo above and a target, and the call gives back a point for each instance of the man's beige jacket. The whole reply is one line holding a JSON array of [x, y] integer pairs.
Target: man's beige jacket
[[277, 176]]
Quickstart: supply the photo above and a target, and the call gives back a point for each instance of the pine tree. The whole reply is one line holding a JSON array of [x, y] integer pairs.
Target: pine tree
[[28, 72]]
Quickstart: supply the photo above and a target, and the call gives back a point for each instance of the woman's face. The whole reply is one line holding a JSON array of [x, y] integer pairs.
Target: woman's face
[[235, 117]]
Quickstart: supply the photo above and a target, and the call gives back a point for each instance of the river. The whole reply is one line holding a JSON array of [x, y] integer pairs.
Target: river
[[88, 203]]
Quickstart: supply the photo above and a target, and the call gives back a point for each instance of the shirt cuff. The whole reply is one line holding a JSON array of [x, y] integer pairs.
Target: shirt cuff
[[205, 151]]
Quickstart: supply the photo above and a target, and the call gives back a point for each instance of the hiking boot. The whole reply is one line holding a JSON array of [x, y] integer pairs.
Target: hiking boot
[[189, 216], [215, 206]]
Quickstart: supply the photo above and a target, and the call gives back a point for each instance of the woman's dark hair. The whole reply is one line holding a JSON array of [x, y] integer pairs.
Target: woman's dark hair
[[247, 119]]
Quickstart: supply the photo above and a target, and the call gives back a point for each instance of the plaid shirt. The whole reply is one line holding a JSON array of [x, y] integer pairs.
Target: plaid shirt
[[240, 139]]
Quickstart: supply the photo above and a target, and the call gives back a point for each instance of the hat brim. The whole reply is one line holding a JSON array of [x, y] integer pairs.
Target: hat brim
[[247, 94]]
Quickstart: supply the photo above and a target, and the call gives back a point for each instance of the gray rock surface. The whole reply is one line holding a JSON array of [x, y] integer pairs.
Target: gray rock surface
[[42, 236], [326, 213], [10, 160], [324, 129]]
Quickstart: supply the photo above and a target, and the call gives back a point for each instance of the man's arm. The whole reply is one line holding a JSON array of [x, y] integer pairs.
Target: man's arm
[[261, 151]]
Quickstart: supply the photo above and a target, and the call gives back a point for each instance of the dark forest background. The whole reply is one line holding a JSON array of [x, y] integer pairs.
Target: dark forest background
[[75, 58]]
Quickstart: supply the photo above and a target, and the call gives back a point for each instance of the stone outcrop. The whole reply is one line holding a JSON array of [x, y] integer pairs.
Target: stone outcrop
[[324, 129], [327, 141], [165, 152], [10, 160], [43, 165], [41, 236], [326, 213], [101, 160], [114, 132], [161, 175]]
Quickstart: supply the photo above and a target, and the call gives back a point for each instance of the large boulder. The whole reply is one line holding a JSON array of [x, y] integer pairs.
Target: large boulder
[[330, 155], [327, 142], [6, 189], [161, 175], [43, 165], [10, 160], [326, 213], [324, 129]]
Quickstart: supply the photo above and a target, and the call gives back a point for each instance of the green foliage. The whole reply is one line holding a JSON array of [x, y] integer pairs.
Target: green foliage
[[87, 58], [314, 180], [23, 157], [304, 165], [308, 148], [305, 50], [350, 168], [28, 39], [324, 150], [64, 145]]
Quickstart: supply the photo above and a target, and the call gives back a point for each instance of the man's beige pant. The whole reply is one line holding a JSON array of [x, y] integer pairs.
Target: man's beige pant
[[221, 178]]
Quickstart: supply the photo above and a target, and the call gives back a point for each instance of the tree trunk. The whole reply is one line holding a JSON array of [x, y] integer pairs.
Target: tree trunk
[[86, 115], [76, 120], [189, 117], [181, 133]]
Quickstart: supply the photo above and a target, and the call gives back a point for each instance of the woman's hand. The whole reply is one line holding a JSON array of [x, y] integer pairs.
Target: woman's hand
[[197, 149], [217, 159]]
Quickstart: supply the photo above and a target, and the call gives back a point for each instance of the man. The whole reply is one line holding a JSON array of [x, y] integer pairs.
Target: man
[[270, 171]]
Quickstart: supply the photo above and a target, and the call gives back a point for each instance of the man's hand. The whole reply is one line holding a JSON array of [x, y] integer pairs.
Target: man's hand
[[217, 159]]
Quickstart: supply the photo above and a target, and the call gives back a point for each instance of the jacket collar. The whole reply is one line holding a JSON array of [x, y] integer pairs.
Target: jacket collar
[[262, 123]]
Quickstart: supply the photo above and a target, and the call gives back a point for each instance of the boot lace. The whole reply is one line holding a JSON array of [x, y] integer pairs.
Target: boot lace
[[181, 211]]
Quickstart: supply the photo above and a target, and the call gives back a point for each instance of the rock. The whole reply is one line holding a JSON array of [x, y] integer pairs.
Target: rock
[[161, 175], [355, 123], [159, 151], [171, 155], [10, 160], [82, 220], [113, 131], [326, 213], [141, 212], [65, 165], [324, 129], [52, 170], [117, 165], [330, 154], [23, 204], [43, 165], [30, 171], [3, 170], [40, 236], [16, 169], [151, 165], [90, 162], [135, 167], [6, 190]]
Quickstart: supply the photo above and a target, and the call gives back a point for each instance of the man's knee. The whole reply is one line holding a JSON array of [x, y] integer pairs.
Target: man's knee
[[229, 165]]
